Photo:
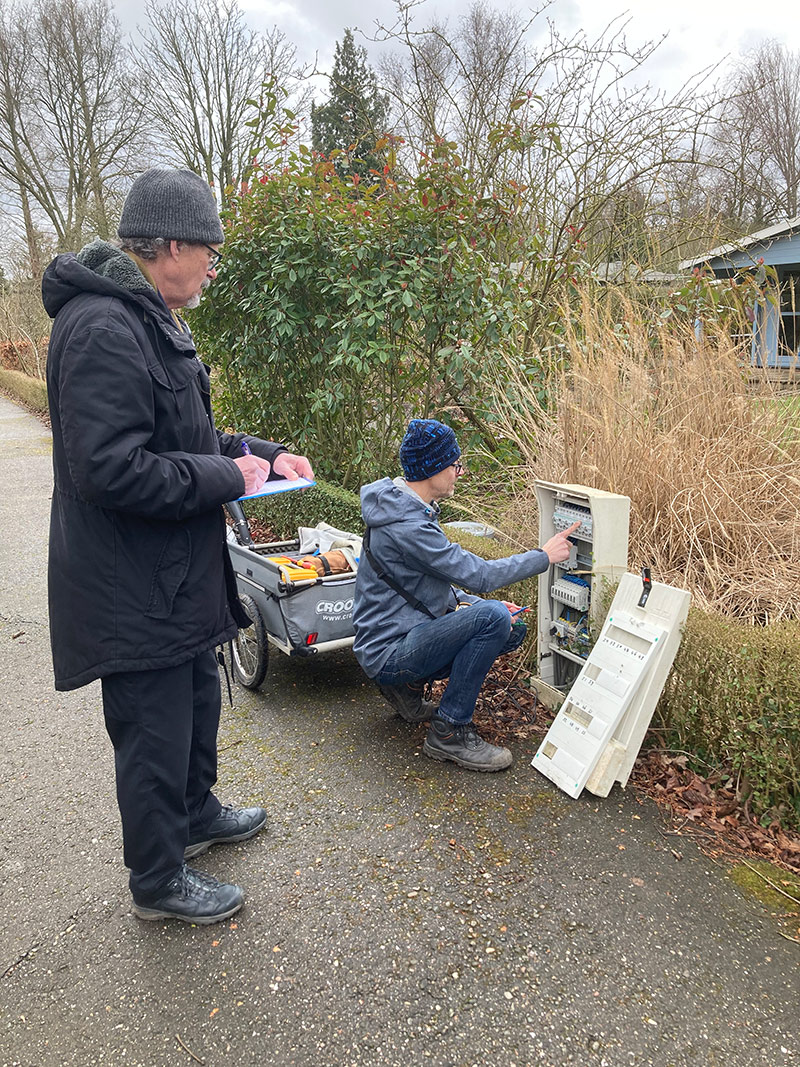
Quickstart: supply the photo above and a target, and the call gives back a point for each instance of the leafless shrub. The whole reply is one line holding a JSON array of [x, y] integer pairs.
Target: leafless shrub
[[24, 328]]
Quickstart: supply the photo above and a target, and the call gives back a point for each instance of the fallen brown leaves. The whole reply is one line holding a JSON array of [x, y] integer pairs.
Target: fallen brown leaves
[[705, 808], [507, 711], [9, 356]]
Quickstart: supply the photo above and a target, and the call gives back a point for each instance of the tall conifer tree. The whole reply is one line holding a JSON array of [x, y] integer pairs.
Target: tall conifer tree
[[355, 116]]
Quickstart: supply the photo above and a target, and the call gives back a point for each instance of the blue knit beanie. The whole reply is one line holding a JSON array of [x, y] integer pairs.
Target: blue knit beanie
[[427, 448]]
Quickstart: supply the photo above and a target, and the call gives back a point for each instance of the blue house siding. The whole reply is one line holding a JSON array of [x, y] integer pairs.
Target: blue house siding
[[776, 329], [782, 252]]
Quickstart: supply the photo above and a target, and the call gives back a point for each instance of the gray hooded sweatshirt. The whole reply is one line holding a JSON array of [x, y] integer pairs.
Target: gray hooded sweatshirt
[[408, 541]]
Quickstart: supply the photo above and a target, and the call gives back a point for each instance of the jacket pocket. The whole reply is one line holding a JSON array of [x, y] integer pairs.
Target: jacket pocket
[[169, 574], [180, 372]]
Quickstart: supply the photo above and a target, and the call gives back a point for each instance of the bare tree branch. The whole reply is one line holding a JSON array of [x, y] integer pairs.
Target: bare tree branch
[[69, 129], [214, 74]]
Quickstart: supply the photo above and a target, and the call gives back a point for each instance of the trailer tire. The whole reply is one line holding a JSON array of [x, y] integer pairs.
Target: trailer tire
[[249, 649]]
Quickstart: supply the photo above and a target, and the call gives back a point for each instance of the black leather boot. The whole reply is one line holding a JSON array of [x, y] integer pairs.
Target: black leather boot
[[463, 745], [193, 897]]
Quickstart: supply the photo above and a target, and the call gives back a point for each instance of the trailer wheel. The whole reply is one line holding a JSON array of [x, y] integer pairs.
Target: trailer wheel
[[250, 649]]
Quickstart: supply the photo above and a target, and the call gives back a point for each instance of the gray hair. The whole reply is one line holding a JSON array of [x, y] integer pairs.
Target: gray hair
[[150, 248], [147, 248]]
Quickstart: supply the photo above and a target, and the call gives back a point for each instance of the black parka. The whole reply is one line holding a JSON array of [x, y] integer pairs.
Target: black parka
[[139, 576]]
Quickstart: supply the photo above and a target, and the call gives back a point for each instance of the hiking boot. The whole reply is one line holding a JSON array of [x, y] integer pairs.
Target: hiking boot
[[463, 745], [230, 824], [193, 897], [408, 703]]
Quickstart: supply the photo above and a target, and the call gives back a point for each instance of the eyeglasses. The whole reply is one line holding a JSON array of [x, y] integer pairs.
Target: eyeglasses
[[215, 256], [459, 468]]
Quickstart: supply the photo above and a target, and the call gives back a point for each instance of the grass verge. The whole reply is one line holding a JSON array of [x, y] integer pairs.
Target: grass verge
[[30, 392]]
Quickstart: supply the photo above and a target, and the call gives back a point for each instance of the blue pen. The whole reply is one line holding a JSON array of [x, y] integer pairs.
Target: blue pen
[[513, 613], [246, 448]]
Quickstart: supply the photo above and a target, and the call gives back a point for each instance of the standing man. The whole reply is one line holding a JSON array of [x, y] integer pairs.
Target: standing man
[[140, 585], [410, 623]]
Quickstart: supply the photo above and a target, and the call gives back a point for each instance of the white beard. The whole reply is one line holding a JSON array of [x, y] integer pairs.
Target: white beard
[[194, 301]]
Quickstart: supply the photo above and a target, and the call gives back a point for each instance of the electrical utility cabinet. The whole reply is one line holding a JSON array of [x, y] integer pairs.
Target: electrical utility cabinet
[[574, 595]]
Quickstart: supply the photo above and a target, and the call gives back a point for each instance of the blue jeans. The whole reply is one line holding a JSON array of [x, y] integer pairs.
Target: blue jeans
[[461, 646]]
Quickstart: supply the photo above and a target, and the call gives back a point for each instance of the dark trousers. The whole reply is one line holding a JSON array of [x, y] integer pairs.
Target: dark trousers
[[163, 725]]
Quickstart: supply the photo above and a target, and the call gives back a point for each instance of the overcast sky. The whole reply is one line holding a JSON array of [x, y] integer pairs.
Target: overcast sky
[[701, 33]]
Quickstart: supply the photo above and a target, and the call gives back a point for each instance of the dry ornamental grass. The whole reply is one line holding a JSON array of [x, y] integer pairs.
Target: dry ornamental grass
[[711, 462]]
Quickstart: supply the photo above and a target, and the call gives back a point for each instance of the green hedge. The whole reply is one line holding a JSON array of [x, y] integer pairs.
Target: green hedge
[[734, 698], [523, 593], [31, 392]]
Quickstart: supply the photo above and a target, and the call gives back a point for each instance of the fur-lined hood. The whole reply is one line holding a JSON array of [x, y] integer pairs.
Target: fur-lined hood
[[99, 268]]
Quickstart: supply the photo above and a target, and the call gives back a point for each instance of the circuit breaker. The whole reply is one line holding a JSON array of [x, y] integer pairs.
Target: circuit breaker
[[574, 595]]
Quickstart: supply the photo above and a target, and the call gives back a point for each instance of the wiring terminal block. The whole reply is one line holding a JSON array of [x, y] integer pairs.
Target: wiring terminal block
[[572, 591]]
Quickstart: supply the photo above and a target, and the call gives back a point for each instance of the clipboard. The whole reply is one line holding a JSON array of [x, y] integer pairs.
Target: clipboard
[[280, 485]]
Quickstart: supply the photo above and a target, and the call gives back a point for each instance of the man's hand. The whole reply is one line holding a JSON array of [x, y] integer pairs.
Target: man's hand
[[514, 609], [287, 465], [558, 547], [255, 472]]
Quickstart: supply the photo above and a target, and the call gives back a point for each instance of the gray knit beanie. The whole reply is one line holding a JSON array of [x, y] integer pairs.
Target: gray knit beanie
[[427, 448], [174, 204]]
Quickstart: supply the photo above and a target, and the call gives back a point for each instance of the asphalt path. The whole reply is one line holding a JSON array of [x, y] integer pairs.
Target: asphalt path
[[399, 911]]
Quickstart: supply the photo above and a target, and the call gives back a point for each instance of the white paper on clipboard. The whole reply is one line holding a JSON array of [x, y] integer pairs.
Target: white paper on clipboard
[[280, 485]]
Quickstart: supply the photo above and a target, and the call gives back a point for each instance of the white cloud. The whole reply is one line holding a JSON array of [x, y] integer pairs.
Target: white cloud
[[700, 34]]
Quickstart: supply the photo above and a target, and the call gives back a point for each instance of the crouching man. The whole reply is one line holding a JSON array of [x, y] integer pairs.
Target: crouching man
[[410, 624]]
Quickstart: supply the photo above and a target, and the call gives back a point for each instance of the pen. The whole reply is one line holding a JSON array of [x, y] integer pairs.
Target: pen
[[246, 448], [513, 613]]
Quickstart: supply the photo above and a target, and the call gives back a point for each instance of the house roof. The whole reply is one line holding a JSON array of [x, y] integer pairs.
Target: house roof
[[616, 271], [786, 228]]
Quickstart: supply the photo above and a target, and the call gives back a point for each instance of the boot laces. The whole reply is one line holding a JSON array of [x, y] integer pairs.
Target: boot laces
[[471, 737], [190, 882]]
